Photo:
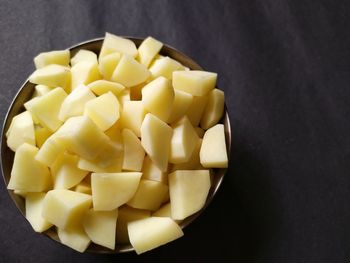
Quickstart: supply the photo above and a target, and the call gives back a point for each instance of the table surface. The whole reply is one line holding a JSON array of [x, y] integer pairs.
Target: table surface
[[284, 68]]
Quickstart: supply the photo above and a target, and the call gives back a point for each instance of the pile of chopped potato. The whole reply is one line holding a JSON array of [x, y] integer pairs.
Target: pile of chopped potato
[[116, 148]]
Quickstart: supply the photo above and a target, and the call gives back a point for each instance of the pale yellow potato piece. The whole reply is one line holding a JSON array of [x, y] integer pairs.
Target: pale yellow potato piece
[[188, 192], [214, 142], [158, 97], [150, 171], [100, 226], [41, 90], [92, 166], [193, 163], [149, 195], [21, 131], [75, 238], [41, 135], [65, 171], [103, 110], [84, 72], [111, 190], [165, 67], [155, 139], [47, 107], [183, 141], [115, 134], [132, 116], [127, 214], [214, 109], [129, 72], [27, 173], [109, 155], [107, 64], [182, 102], [195, 111], [124, 96], [195, 82], [74, 103], [59, 57], [148, 49], [100, 87], [34, 206], [83, 55], [165, 211], [83, 188], [50, 150], [113, 43], [81, 136], [149, 233], [52, 76], [133, 151], [65, 208]]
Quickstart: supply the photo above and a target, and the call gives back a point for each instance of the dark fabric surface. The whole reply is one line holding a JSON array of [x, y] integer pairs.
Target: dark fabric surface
[[284, 67]]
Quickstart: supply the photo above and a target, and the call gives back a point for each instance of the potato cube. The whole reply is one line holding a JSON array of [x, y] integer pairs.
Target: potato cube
[[165, 211], [113, 43], [107, 64], [27, 173], [59, 57], [84, 72], [214, 142], [22, 131], [111, 190], [41, 90], [34, 206], [149, 233], [129, 72], [149, 195], [47, 107], [182, 102], [132, 116], [158, 97], [124, 96], [148, 49], [100, 87], [110, 154], [83, 188], [188, 192], [49, 151], [133, 151], [92, 166], [41, 135], [83, 55], [75, 238], [214, 109], [100, 226], [193, 163], [195, 82], [155, 139], [165, 67], [195, 111], [64, 208], [150, 171]]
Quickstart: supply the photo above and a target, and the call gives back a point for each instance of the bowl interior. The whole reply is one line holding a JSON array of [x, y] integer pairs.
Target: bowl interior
[[26, 92]]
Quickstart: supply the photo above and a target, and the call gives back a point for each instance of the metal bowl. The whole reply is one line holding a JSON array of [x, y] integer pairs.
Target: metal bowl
[[26, 92]]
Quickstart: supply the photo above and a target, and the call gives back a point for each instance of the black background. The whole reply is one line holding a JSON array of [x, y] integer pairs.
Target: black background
[[285, 70]]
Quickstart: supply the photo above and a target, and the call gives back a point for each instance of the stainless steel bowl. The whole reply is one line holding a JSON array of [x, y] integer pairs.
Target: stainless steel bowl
[[25, 93]]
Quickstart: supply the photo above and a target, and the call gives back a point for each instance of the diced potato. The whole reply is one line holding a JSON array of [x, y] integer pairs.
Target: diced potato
[[214, 109], [132, 116], [108, 64], [64, 208], [165, 67], [127, 214], [195, 111], [148, 49], [133, 151], [103, 110], [83, 188], [158, 98], [183, 141], [155, 139], [65, 172], [100, 87], [22, 131], [92, 166], [150, 171], [113, 43], [111, 190], [124, 96], [109, 155], [84, 72], [75, 238], [49, 151], [195, 82], [59, 57], [200, 132], [149, 233], [193, 163], [47, 107], [27, 173], [165, 211], [41, 90], [100, 226], [188, 192], [129, 72], [34, 205], [74, 103], [149, 195], [83, 55], [182, 102], [81, 136], [214, 142], [52, 76], [114, 133]]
